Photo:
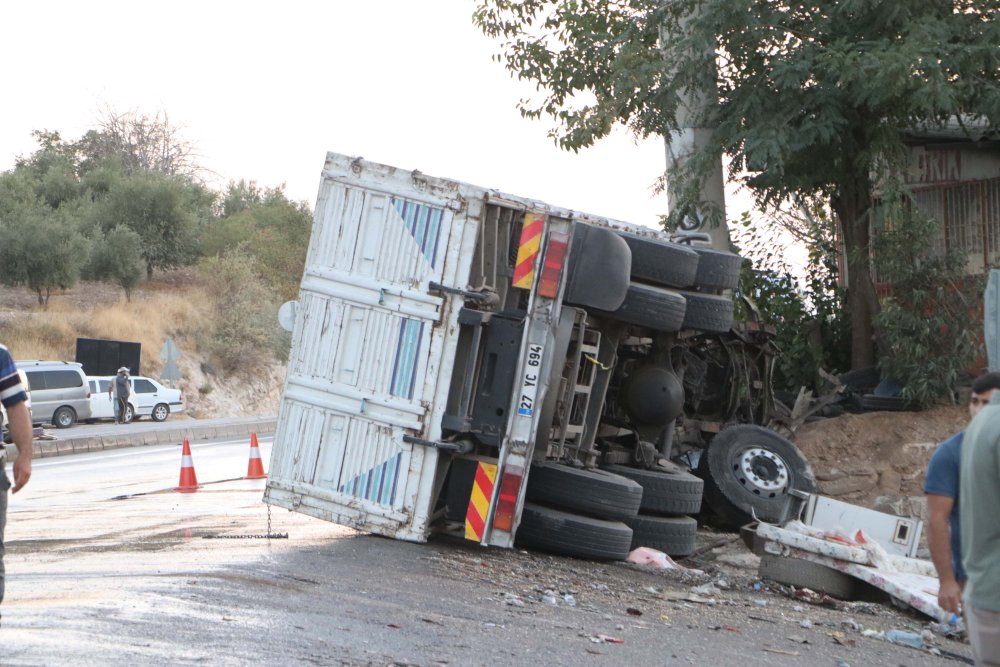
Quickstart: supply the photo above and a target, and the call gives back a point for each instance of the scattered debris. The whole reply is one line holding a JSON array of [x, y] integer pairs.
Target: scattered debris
[[805, 623], [704, 589], [778, 650], [654, 558], [760, 602], [812, 597], [606, 639], [798, 639], [632, 611], [905, 638]]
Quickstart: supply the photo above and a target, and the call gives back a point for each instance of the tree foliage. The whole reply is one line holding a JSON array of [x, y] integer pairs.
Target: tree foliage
[[246, 323], [805, 100], [927, 325], [42, 250], [812, 325], [165, 211], [139, 142], [117, 257], [270, 227], [124, 198]]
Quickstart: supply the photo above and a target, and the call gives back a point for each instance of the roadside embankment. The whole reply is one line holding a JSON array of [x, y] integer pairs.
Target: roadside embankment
[[82, 439]]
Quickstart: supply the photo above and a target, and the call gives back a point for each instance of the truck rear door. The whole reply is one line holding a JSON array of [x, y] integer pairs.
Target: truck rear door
[[369, 344]]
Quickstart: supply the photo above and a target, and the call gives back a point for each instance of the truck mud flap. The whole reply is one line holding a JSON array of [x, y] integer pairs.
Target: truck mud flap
[[599, 268]]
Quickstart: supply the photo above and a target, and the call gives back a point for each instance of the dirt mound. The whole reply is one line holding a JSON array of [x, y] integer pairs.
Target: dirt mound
[[878, 459]]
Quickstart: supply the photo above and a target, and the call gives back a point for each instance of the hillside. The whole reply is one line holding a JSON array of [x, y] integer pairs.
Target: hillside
[[173, 304]]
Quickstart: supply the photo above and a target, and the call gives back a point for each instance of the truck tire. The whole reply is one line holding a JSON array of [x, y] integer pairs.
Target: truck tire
[[708, 312], [568, 534], [669, 493], [806, 574], [717, 270], [650, 306], [661, 262], [594, 492], [748, 472], [673, 535]]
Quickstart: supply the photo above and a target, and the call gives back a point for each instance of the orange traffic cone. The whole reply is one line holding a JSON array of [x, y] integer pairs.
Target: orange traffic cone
[[188, 482], [255, 469]]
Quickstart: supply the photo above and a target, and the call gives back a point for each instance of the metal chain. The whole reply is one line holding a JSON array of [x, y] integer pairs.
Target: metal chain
[[267, 536]]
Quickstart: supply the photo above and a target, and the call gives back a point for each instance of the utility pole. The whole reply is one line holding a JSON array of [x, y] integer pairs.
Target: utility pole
[[709, 215]]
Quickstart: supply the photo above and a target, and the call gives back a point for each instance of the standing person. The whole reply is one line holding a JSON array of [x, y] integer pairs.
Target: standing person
[[120, 390], [980, 498], [15, 402], [941, 487]]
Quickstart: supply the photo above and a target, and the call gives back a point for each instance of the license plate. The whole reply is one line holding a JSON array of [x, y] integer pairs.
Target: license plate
[[529, 383]]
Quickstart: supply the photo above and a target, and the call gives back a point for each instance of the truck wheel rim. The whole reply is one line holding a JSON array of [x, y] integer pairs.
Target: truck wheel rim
[[760, 471]]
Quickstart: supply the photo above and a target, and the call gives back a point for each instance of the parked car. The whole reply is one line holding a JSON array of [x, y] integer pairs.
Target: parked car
[[149, 399], [102, 406], [60, 394]]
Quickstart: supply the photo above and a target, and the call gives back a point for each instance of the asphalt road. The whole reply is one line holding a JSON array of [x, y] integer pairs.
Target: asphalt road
[[107, 565]]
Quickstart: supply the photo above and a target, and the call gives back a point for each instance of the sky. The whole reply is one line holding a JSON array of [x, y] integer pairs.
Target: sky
[[265, 89]]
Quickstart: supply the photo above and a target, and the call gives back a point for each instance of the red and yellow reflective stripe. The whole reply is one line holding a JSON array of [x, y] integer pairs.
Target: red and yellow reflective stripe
[[479, 501], [527, 251]]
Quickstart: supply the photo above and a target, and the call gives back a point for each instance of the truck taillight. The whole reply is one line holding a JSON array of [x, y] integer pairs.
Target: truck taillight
[[510, 487], [555, 256]]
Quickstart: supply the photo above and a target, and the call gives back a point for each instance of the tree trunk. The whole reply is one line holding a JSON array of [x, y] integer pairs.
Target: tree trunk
[[149, 271], [852, 204]]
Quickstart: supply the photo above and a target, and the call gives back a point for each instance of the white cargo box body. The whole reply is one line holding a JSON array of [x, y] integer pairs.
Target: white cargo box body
[[369, 345], [374, 345]]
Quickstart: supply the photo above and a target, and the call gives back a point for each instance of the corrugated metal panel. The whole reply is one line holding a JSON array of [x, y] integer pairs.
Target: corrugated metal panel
[[357, 377], [970, 219]]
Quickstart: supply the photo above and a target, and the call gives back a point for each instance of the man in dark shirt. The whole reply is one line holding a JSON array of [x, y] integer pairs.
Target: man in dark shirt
[[941, 487]]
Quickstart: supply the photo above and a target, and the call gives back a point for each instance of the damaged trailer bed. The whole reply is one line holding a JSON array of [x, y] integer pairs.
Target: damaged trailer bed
[[854, 544], [912, 581]]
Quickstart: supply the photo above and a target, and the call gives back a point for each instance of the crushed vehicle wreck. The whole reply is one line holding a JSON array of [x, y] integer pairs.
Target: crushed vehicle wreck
[[546, 377]]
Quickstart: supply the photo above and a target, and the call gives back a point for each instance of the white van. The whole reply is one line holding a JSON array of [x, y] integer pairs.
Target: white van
[[60, 394]]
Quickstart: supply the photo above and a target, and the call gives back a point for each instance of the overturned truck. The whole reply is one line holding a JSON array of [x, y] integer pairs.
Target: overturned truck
[[542, 377]]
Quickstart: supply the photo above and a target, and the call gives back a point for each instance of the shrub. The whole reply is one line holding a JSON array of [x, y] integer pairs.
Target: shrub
[[926, 328], [246, 322]]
